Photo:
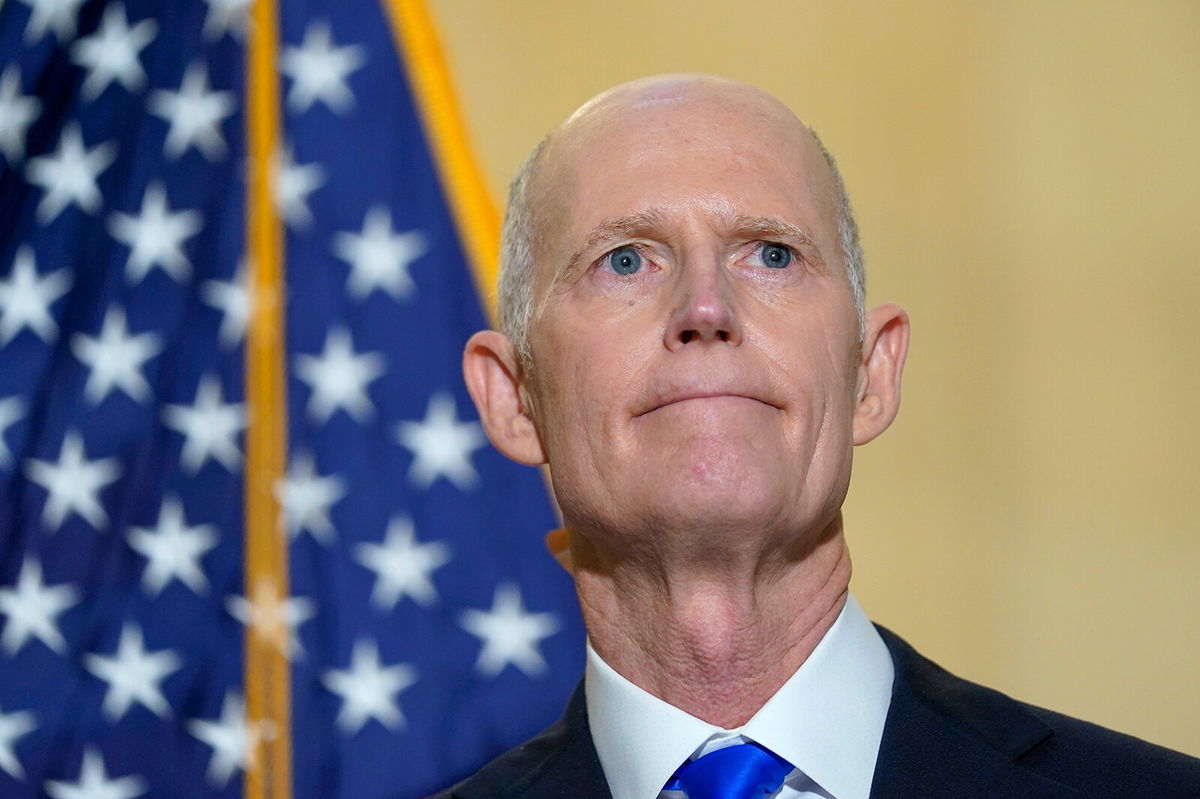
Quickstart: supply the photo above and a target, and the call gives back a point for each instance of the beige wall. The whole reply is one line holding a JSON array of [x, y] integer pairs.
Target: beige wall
[[1026, 176]]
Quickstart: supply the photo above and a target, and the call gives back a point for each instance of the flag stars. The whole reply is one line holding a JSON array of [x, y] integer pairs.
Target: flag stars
[[134, 674], [111, 53], [319, 70], [74, 483], [14, 726], [272, 616], [32, 609], [402, 566], [70, 174], [379, 258], [441, 445], [116, 358], [509, 633], [338, 378], [155, 236], [94, 783], [11, 411], [233, 739], [210, 427], [368, 689], [56, 16], [17, 113], [173, 549], [232, 299], [292, 184], [25, 299], [223, 16], [195, 114], [307, 497]]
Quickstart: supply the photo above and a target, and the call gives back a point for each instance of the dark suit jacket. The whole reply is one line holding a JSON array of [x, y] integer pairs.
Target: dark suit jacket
[[944, 738]]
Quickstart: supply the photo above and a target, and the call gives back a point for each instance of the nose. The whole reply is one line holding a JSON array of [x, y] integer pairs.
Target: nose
[[703, 311]]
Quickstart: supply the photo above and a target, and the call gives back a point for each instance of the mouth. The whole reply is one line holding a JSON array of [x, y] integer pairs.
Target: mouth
[[701, 396]]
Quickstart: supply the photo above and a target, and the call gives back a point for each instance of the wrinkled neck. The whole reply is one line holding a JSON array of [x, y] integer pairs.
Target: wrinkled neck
[[714, 642]]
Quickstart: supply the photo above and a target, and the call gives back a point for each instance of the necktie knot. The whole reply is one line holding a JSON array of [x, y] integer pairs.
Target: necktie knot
[[742, 771]]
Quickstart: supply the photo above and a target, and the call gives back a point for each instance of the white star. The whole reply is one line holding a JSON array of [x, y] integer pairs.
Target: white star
[[379, 258], [17, 112], [226, 15], [111, 53], [338, 378], [94, 782], [12, 727], [195, 114], [232, 299], [115, 358], [74, 483], [57, 16], [11, 410], [133, 675], [272, 616], [25, 299], [319, 70], [69, 176], [402, 566], [293, 183], [307, 497], [155, 236], [509, 633], [441, 445], [368, 688], [173, 549], [210, 427], [33, 608], [233, 739]]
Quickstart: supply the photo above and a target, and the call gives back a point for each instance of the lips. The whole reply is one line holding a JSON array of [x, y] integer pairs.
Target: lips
[[678, 396]]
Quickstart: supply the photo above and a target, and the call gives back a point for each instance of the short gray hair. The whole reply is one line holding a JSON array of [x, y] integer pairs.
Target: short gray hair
[[515, 300], [519, 234]]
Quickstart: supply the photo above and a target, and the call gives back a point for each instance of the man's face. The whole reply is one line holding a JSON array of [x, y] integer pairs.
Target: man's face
[[694, 339]]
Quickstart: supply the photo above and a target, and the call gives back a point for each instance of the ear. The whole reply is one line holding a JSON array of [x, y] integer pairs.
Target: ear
[[878, 389], [494, 380]]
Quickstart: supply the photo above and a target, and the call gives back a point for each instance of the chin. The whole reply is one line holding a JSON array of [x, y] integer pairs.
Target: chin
[[721, 495]]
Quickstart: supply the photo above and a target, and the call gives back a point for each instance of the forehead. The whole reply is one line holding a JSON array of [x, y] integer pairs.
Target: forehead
[[685, 147]]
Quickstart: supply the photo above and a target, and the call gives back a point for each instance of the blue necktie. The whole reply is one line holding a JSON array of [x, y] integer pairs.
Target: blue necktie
[[742, 771]]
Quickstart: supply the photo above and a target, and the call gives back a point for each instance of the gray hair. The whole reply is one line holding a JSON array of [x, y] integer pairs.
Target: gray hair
[[517, 244], [515, 299]]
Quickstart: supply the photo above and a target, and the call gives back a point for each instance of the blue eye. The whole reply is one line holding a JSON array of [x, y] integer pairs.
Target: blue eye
[[625, 260], [775, 256]]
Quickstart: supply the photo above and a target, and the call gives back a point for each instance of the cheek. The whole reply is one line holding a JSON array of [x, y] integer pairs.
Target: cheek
[[573, 388], [815, 370]]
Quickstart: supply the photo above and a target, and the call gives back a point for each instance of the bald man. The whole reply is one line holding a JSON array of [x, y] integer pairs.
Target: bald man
[[685, 343]]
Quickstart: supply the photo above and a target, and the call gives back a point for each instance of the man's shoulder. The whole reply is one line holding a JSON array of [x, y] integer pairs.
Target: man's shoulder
[[1051, 748], [559, 762], [1127, 765], [944, 737]]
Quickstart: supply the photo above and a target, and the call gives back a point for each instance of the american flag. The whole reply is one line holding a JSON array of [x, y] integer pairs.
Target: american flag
[[423, 628]]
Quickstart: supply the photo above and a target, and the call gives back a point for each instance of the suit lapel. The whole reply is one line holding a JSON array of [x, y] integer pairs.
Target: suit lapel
[[561, 763], [946, 738], [575, 772]]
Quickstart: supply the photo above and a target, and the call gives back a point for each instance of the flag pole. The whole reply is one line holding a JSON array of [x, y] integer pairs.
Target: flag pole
[[471, 206], [266, 668]]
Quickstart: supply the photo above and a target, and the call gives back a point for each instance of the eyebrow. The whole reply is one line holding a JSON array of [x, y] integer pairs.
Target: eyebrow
[[615, 229], [772, 228], [738, 225]]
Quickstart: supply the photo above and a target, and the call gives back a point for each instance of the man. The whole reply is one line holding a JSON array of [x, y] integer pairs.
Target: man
[[685, 344]]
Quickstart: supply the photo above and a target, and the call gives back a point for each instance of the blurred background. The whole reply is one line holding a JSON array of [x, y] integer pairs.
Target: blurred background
[[1025, 178], [383, 618]]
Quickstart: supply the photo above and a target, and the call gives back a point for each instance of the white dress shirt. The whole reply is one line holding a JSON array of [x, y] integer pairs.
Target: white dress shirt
[[826, 720]]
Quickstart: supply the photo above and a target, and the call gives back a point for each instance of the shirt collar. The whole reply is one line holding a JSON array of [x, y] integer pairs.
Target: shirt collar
[[827, 719]]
